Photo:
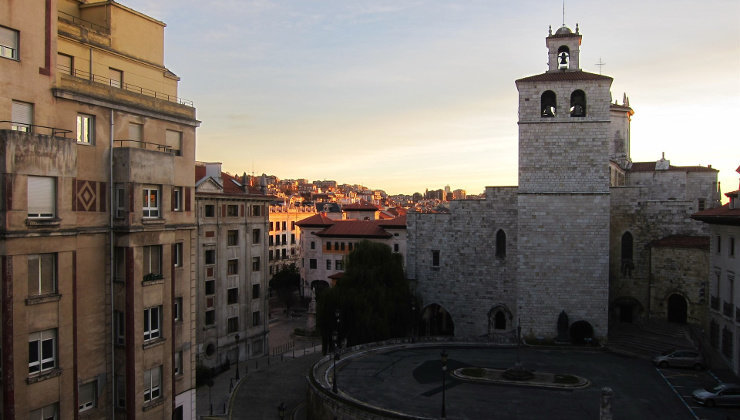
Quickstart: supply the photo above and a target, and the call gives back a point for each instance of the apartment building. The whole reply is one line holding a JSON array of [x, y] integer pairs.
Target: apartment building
[[231, 257], [97, 216], [285, 236]]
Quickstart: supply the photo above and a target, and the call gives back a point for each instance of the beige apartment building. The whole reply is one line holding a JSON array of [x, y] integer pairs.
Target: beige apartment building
[[231, 258], [97, 213], [285, 236]]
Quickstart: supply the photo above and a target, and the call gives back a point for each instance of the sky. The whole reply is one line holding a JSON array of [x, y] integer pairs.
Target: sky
[[405, 95]]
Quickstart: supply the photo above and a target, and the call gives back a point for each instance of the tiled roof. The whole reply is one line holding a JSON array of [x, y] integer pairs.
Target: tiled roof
[[231, 184], [564, 76], [337, 276], [682, 241], [355, 229], [317, 220], [650, 167], [362, 205], [719, 215], [398, 222]]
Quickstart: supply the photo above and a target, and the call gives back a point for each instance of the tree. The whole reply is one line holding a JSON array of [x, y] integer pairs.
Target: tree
[[373, 298], [285, 282]]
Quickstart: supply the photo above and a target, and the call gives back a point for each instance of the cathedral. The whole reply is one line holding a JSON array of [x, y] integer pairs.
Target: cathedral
[[577, 244]]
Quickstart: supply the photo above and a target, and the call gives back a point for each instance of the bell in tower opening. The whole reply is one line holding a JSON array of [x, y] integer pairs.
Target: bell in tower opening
[[563, 56]]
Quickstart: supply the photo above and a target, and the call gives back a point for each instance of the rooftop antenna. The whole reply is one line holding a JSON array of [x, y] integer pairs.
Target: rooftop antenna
[[600, 64], [563, 12]]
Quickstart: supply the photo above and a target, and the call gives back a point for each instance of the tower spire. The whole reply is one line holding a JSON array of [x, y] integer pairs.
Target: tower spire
[[563, 12]]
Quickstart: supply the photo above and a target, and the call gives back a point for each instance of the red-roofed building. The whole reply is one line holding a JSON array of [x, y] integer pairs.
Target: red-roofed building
[[325, 242], [724, 263], [232, 259]]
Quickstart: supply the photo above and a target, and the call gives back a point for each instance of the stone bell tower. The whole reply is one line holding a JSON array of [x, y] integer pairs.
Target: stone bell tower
[[563, 195]]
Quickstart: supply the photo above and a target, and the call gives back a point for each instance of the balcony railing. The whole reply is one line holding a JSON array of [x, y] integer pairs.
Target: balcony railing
[[81, 74], [714, 303], [82, 22], [141, 144], [727, 309], [35, 128]]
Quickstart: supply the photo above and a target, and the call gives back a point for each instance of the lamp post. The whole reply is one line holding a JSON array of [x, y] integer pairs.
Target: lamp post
[[236, 338], [335, 337], [443, 355], [281, 410]]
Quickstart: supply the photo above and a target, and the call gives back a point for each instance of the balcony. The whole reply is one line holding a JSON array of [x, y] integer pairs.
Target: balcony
[[714, 303], [727, 309]]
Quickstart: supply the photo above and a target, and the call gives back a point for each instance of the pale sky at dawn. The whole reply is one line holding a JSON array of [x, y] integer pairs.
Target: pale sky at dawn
[[405, 95]]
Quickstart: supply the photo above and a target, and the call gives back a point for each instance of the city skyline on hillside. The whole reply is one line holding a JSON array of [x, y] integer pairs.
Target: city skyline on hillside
[[415, 93]]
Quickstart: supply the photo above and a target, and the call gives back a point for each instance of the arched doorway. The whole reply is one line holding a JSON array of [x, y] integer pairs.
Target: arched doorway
[[677, 308], [626, 309], [581, 332], [435, 320]]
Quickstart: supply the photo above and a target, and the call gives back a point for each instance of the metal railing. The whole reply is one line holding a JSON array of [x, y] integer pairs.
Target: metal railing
[[82, 22], [34, 128], [141, 144], [81, 74]]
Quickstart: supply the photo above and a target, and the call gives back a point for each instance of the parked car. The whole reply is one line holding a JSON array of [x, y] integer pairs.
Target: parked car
[[721, 394], [680, 358]]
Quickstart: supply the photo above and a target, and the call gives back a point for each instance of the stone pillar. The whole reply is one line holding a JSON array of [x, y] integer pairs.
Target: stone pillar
[[605, 411]]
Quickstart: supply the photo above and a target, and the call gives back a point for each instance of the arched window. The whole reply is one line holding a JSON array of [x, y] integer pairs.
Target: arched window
[[499, 321], [548, 104], [563, 57], [500, 244], [578, 103]]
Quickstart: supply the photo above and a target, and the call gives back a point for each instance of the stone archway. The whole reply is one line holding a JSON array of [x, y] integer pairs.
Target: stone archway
[[677, 308], [499, 319], [435, 320], [581, 332]]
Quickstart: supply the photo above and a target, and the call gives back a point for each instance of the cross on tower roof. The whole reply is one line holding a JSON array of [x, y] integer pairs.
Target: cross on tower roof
[[600, 64]]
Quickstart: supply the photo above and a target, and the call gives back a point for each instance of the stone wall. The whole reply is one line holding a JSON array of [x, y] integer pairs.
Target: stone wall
[[682, 271]]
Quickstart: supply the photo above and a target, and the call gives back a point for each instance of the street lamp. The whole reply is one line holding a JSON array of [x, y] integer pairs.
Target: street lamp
[[281, 410], [236, 338], [444, 373]]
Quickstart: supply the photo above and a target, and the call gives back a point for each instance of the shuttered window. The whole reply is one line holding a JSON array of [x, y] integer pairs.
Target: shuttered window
[[116, 77], [41, 197], [65, 64], [8, 43], [174, 141], [22, 116]]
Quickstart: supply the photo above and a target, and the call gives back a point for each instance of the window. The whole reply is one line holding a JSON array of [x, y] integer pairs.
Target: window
[[578, 103], [120, 201], [269, 256], [232, 210], [328, 264], [119, 325], [256, 235], [152, 384], [548, 104], [232, 296], [177, 309], [232, 325], [313, 245], [435, 258], [42, 349], [271, 227], [120, 392], [336, 246], [284, 225], [719, 244], [255, 291], [285, 239], [41, 274], [702, 204], [277, 239], [178, 363], [256, 210], [151, 201], [283, 253], [210, 317], [41, 197], [350, 245], [116, 77], [152, 322], [501, 244], [395, 247], [210, 210], [256, 319], [210, 287], [65, 64], [210, 256], [177, 198], [341, 246], [232, 267], [136, 132], [85, 129], [338, 265], [174, 141], [292, 225], [178, 254], [312, 263], [270, 240], [328, 246], [232, 238], [50, 412], [88, 396], [9, 43], [152, 262], [255, 263], [292, 239]]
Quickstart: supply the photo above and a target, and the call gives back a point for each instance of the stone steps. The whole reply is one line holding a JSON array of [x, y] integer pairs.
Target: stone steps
[[649, 339]]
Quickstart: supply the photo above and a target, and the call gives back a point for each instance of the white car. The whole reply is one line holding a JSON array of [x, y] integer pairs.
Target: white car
[[721, 394]]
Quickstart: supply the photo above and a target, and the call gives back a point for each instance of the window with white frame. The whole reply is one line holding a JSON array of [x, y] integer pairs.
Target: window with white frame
[[41, 197], [177, 198], [88, 396], [85, 129], [50, 412], [119, 327], [21, 116], [178, 363], [42, 351], [178, 254], [152, 323], [152, 384], [9, 43], [151, 201], [120, 201], [152, 262], [41, 274]]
